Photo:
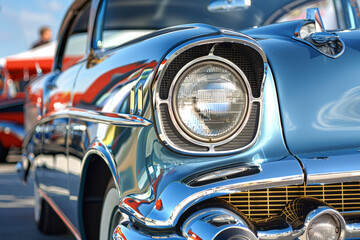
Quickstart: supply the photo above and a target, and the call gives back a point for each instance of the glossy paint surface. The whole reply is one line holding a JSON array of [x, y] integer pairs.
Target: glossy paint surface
[[319, 96], [305, 110], [168, 167], [143, 164]]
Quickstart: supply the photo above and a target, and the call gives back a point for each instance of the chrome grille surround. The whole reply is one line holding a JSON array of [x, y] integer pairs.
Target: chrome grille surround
[[265, 203]]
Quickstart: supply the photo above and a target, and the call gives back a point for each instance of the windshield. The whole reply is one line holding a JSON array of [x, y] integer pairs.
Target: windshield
[[125, 20], [155, 14]]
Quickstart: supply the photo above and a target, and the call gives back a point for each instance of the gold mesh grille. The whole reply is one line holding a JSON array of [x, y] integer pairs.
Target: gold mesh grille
[[264, 203]]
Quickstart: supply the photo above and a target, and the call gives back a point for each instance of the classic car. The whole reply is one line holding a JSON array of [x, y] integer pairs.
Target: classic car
[[199, 120], [15, 71]]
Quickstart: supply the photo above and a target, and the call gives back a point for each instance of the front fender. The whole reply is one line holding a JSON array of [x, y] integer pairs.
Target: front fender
[[98, 149]]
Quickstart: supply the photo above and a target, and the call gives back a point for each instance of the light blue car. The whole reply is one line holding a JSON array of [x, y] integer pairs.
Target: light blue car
[[199, 120]]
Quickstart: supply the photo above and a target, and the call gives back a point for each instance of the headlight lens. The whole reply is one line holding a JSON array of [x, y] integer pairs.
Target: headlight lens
[[210, 101]]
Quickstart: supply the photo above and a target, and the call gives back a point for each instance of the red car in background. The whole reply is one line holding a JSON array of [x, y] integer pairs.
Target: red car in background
[[15, 72]]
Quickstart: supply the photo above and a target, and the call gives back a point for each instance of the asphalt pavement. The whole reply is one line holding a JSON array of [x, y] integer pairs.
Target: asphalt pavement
[[16, 207]]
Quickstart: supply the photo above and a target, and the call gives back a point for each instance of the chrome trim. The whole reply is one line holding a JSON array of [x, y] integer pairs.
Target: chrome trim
[[329, 170], [241, 39], [115, 119], [352, 224], [313, 16], [350, 227], [174, 113], [127, 231], [63, 217], [299, 224], [187, 196], [318, 213], [98, 149], [322, 211], [140, 99], [132, 100], [209, 223], [278, 234], [223, 174], [353, 230], [324, 37]]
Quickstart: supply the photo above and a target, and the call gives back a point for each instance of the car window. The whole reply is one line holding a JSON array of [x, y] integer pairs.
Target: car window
[[75, 46], [327, 10]]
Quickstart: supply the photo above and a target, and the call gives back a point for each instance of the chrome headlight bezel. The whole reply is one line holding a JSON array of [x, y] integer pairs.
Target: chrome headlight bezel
[[174, 114], [238, 52]]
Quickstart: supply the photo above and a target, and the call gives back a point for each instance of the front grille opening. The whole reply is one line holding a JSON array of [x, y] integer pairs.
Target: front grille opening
[[265, 203]]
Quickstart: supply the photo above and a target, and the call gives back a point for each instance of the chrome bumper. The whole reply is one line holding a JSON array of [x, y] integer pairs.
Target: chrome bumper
[[332, 169], [204, 230], [351, 229]]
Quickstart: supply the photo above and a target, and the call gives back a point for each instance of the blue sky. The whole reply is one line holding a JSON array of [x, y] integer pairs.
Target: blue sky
[[20, 21]]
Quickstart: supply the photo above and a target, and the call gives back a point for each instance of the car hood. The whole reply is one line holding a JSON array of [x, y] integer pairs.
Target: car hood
[[318, 95]]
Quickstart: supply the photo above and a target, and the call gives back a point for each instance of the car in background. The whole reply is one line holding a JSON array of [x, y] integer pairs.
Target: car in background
[[15, 72], [199, 120]]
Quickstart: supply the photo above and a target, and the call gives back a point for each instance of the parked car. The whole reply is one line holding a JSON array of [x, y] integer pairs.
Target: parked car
[[15, 71], [161, 119]]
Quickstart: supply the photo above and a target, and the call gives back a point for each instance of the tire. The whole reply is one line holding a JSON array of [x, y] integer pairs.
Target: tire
[[47, 221], [3, 153], [110, 214]]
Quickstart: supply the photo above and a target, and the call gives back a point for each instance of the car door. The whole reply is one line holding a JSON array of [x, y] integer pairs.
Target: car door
[[57, 101]]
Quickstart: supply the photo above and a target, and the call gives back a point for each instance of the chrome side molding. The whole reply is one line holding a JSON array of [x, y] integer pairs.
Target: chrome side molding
[[332, 169], [224, 174], [115, 119]]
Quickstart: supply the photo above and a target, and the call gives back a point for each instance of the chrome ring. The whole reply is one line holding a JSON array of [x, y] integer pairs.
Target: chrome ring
[[180, 126], [175, 87], [157, 101]]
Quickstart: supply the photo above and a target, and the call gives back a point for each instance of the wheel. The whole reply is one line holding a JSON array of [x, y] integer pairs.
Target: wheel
[[110, 214], [47, 221], [3, 153]]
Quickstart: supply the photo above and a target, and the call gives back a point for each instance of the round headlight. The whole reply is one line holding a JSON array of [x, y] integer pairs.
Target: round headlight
[[210, 101], [325, 227]]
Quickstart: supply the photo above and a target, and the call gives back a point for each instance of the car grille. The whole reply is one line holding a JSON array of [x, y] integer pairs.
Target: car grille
[[264, 203]]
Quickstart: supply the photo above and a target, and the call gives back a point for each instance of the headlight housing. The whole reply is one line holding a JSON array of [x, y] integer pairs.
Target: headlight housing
[[208, 96], [210, 99]]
